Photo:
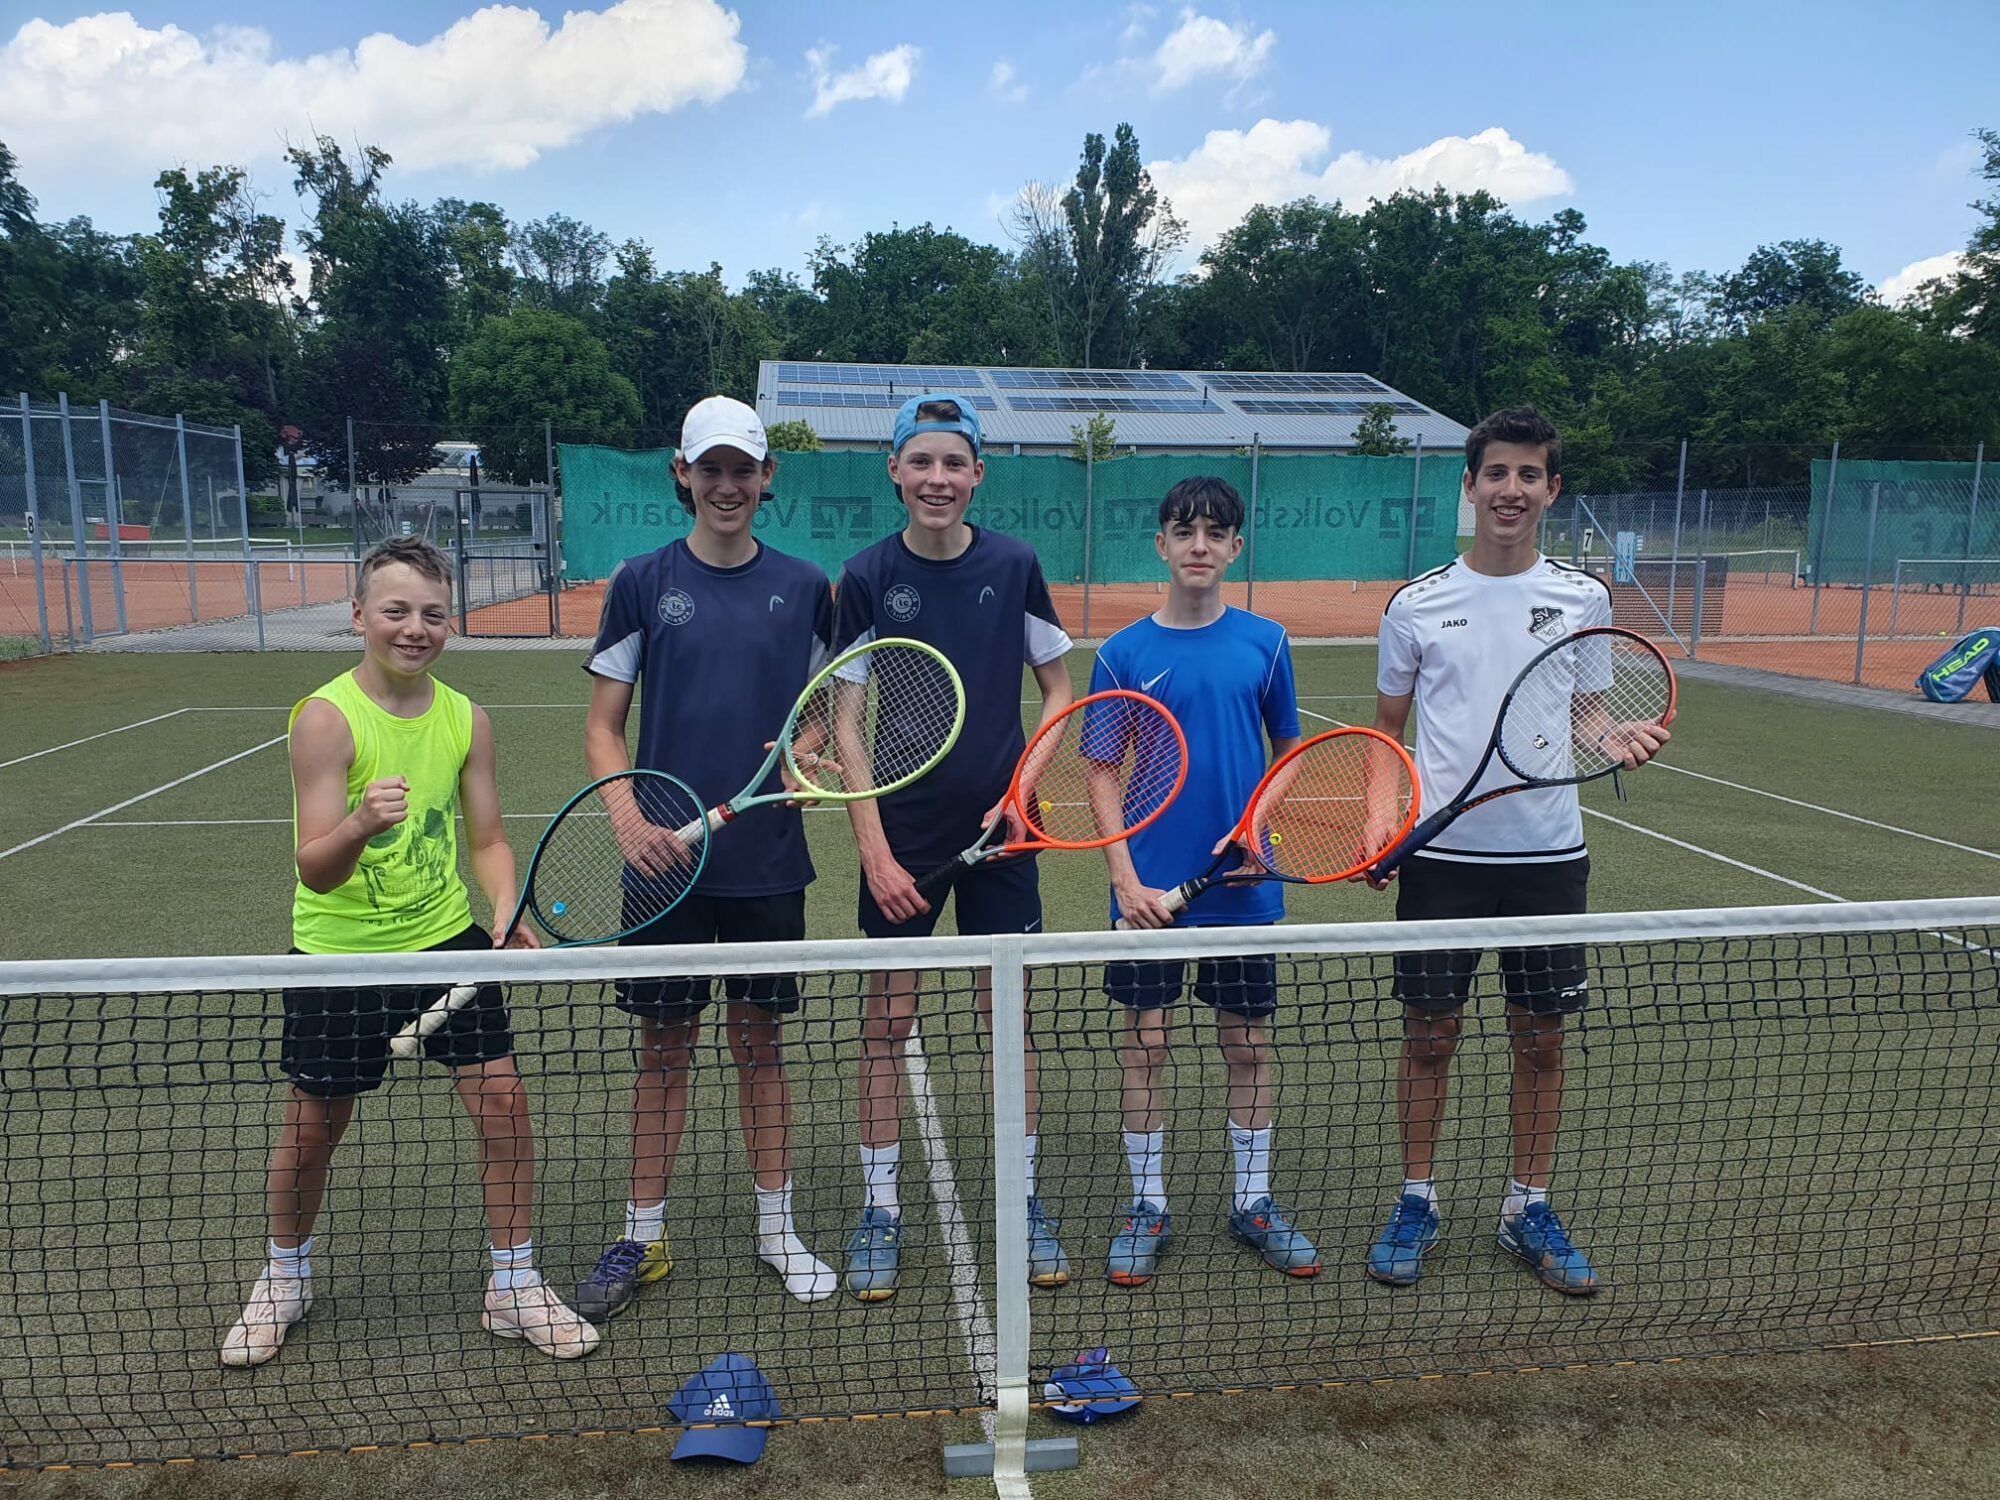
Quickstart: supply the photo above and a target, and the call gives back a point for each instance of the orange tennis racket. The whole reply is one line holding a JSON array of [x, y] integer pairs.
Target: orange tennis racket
[[1325, 811], [1096, 773]]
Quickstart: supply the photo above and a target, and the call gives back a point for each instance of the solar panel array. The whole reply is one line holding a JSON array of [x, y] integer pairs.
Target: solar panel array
[[1191, 404], [930, 377], [867, 400], [1300, 384], [1323, 408], [1091, 380]]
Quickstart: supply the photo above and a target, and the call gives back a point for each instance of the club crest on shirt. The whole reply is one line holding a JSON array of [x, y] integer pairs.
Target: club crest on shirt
[[1545, 623], [676, 607], [901, 603]]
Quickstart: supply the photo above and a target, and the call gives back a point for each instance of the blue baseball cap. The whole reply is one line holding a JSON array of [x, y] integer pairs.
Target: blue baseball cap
[[1089, 1388], [729, 1393], [967, 425]]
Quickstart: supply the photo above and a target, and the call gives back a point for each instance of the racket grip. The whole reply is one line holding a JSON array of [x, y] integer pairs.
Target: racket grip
[[410, 1040], [1412, 842], [708, 822], [1175, 901]]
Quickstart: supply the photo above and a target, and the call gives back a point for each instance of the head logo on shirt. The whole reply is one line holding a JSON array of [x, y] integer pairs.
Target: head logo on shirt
[[986, 593], [676, 607], [1546, 623], [901, 603], [776, 600]]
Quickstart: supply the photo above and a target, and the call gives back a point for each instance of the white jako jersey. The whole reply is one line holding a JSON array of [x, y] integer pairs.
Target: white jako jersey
[[1457, 639]]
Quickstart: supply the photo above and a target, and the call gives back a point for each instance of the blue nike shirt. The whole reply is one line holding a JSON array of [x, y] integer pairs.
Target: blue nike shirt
[[719, 656], [1230, 685], [988, 610]]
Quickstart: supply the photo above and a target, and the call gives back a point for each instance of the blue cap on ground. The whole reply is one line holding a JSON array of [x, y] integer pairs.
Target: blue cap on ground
[[1089, 1388], [730, 1392], [907, 425]]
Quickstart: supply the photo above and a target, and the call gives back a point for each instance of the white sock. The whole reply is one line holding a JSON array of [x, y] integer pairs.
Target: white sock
[[514, 1270], [1145, 1154], [1421, 1187], [806, 1276], [1252, 1149], [878, 1175], [646, 1222], [295, 1264], [1028, 1155], [1519, 1196]]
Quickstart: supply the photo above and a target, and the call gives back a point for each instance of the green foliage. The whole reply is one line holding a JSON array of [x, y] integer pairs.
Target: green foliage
[[793, 437], [1375, 434], [538, 364], [1094, 441]]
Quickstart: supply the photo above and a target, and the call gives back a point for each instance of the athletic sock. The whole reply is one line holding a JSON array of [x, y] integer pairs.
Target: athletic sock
[[1519, 1196], [1028, 1161], [1252, 1149], [1145, 1152], [806, 1276], [646, 1222], [1421, 1187], [514, 1270], [774, 1213], [878, 1175], [294, 1264]]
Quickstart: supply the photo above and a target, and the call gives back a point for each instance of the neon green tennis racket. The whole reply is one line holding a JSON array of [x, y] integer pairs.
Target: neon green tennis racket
[[873, 719]]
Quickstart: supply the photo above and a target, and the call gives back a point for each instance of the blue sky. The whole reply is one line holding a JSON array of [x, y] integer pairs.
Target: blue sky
[[1688, 135]]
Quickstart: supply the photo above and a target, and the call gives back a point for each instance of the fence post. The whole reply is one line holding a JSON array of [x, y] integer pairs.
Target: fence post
[[34, 511], [1256, 490], [1971, 533], [353, 493], [1825, 525], [1867, 579], [77, 529], [256, 584], [1010, 1214], [187, 512], [460, 565], [1089, 516], [114, 515], [1416, 498], [1700, 575], [1674, 559]]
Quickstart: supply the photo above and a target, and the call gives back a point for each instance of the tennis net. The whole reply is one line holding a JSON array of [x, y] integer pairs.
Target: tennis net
[[1778, 1133]]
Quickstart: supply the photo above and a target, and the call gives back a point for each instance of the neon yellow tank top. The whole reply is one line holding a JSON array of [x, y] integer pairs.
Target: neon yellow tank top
[[405, 895]]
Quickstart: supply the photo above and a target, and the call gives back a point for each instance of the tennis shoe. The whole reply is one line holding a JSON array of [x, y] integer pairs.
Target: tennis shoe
[[536, 1314], [1268, 1229], [1047, 1265], [276, 1303], [806, 1276], [1397, 1256], [620, 1272], [873, 1251], [1135, 1250], [1537, 1236]]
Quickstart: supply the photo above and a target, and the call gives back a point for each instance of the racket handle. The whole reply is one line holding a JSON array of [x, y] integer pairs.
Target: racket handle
[[931, 877], [1175, 900], [410, 1040], [708, 822], [1413, 841]]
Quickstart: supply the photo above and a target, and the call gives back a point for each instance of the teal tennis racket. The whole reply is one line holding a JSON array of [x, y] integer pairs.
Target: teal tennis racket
[[619, 854]]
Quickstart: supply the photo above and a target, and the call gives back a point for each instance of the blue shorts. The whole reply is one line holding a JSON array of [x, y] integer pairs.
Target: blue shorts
[[716, 919], [1000, 895], [1246, 987], [1552, 981]]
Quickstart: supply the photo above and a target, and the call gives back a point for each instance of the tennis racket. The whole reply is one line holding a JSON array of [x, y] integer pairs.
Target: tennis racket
[[1325, 810], [617, 855], [1096, 773], [873, 719], [1577, 712]]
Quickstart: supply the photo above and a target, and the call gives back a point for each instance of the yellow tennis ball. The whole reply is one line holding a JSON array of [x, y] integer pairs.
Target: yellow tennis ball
[[1276, 839]]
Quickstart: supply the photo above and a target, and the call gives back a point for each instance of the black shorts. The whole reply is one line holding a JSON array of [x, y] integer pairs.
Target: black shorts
[[716, 919], [999, 895], [1541, 981], [336, 1041], [1246, 987]]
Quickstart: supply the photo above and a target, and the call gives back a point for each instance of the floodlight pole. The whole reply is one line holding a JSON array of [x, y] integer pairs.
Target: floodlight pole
[[1089, 515], [1250, 550], [34, 523], [1416, 499], [114, 515], [1825, 525], [250, 578], [77, 529]]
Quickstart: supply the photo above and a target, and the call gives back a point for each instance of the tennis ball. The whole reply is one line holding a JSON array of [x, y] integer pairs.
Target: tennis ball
[[1277, 838]]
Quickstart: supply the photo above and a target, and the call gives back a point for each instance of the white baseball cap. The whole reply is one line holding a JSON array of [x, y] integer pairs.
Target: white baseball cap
[[720, 422]]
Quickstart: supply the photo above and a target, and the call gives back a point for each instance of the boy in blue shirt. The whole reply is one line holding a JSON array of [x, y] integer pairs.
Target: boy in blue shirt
[[980, 598], [1226, 675]]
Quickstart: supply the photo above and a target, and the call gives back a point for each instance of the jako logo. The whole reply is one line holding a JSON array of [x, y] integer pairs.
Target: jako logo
[[1451, 625]]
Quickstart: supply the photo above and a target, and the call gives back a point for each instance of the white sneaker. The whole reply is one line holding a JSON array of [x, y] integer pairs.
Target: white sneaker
[[542, 1318], [806, 1276], [276, 1303]]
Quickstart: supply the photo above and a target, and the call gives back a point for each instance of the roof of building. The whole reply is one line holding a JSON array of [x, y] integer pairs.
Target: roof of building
[[1152, 408]]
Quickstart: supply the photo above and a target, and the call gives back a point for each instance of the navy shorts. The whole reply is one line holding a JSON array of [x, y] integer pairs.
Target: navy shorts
[[1000, 895], [1246, 987], [716, 919], [336, 1041], [1542, 981]]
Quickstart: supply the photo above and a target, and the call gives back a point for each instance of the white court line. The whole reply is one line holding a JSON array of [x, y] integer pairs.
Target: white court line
[[1666, 838], [278, 739], [102, 734]]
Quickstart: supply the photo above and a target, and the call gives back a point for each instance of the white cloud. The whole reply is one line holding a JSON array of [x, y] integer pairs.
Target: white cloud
[[1003, 83], [496, 89], [886, 76], [1137, 19], [1202, 45], [1917, 272], [1275, 161]]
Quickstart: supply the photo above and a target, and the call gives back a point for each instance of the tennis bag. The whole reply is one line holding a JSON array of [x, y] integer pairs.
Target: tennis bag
[[1953, 676]]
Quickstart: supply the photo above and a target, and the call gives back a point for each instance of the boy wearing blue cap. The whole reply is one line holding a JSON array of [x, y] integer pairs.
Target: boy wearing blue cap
[[980, 598]]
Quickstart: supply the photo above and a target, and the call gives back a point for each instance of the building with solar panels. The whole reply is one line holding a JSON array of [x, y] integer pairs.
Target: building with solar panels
[[1155, 411]]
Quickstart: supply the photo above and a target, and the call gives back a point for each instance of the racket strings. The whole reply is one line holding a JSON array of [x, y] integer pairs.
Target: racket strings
[[1335, 805], [613, 861], [887, 715], [1573, 715], [1110, 763]]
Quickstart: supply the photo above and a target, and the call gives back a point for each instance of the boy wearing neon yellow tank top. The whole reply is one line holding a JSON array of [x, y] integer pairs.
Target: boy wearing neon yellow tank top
[[381, 757]]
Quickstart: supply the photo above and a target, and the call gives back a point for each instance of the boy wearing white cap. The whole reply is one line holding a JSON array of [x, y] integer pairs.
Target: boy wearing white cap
[[723, 633]]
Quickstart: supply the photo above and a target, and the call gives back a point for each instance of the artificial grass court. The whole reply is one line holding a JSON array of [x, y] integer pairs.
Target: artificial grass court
[[101, 886]]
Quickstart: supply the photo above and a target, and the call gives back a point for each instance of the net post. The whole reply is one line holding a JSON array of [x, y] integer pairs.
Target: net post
[[187, 512], [243, 528], [114, 514], [1416, 499], [1256, 488], [1010, 1216], [1825, 525], [78, 530], [1971, 533], [1867, 579], [34, 513]]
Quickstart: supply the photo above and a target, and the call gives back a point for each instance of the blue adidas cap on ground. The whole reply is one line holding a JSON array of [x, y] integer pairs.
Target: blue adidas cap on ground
[[908, 426], [1089, 1388], [731, 1391]]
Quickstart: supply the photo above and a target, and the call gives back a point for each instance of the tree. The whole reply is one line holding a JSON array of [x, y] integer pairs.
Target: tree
[[477, 240], [793, 437], [1792, 274], [1375, 434], [918, 296], [562, 263], [1971, 303], [533, 366], [345, 376], [1286, 283], [1094, 441]]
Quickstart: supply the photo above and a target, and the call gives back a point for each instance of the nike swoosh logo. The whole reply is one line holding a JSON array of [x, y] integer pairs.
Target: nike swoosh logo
[[1147, 687]]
